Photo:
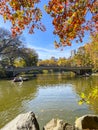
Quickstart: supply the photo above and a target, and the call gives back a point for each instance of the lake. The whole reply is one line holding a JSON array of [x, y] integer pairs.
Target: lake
[[48, 96]]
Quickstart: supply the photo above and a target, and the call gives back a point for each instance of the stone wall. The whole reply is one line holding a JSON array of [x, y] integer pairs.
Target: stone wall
[[28, 121]]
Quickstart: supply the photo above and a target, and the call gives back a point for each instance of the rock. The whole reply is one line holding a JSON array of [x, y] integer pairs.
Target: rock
[[25, 121], [57, 124], [28, 121], [68, 127], [87, 122]]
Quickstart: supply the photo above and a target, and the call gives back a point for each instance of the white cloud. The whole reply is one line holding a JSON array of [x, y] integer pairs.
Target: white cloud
[[45, 53]]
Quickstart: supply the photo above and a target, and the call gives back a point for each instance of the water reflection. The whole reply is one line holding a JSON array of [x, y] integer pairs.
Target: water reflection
[[48, 96], [86, 85], [11, 98], [18, 84]]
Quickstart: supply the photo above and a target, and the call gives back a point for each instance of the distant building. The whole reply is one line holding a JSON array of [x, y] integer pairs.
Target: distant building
[[53, 58], [73, 52], [39, 59]]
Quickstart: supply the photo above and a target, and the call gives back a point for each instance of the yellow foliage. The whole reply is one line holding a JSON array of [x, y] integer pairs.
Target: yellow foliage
[[90, 97], [19, 63]]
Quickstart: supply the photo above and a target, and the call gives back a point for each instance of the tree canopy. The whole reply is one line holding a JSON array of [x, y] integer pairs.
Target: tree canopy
[[69, 17], [7, 41], [12, 51]]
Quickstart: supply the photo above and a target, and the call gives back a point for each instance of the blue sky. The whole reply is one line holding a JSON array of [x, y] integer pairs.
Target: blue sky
[[42, 42]]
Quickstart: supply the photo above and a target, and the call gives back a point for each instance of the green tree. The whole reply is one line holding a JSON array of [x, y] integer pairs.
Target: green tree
[[8, 47], [12, 48], [19, 62], [29, 56]]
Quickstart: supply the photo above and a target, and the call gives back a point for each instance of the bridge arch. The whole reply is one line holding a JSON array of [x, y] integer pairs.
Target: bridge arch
[[76, 70]]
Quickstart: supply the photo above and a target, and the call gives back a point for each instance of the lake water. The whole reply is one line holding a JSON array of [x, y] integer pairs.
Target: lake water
[[48, 96]]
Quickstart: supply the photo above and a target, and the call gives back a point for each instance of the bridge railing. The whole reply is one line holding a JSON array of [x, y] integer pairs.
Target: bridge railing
[[46, 67]]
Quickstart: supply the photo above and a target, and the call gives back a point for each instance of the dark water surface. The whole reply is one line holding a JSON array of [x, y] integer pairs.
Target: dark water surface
[[48, 96]]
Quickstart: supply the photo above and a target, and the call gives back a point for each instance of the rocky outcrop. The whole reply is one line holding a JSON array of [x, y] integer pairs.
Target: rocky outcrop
[[57, 124], [28, 121], [87, 122], [25, 121]]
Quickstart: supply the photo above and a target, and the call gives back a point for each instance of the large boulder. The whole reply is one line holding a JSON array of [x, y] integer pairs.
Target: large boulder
[[25, 121], [57, 124], [87, 122], [28, 121]]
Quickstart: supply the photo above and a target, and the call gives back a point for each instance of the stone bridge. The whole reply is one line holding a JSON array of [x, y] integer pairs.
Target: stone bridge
[[76, 70]]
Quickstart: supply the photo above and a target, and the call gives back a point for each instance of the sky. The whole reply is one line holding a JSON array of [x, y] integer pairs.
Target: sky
[[43, 42]]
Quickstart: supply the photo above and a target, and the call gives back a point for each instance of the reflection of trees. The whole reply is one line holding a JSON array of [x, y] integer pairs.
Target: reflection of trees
[[94, 105], [80, 85], [12, 97], [86, 85], [53, 79]]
